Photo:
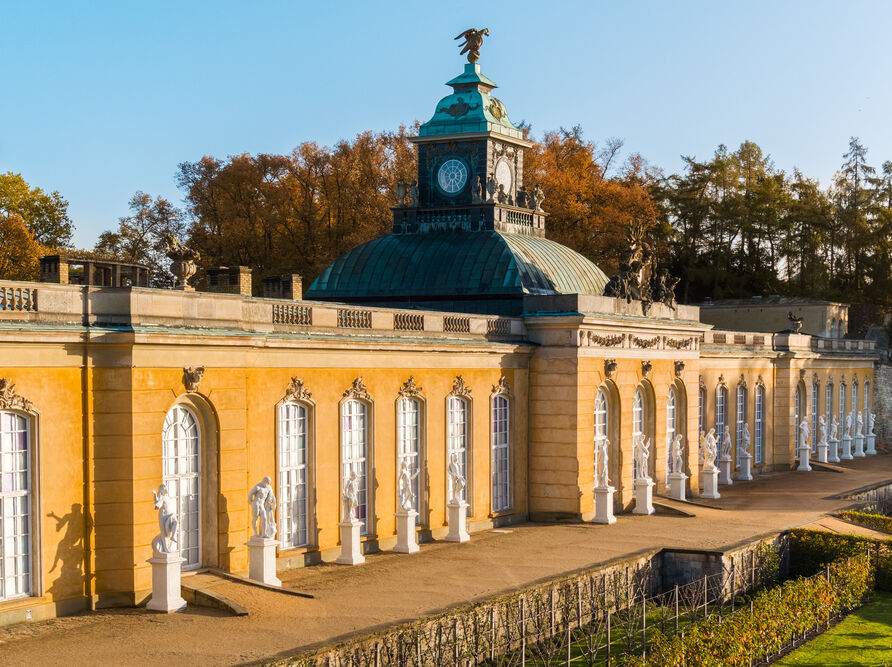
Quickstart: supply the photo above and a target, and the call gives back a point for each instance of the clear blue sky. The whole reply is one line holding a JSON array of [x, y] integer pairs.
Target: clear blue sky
[[100, 99]]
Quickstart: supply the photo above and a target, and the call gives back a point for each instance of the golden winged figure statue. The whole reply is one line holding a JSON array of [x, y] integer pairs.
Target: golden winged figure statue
[[473, 41]]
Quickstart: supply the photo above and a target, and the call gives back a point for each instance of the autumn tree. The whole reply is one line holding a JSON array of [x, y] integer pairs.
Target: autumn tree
[[140, 236], [44, 214], [20, 253]]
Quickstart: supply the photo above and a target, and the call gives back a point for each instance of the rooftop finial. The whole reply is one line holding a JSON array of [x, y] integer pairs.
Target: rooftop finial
[[473, 42]]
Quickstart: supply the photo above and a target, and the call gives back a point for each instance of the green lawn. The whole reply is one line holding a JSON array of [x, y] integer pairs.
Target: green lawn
[[863, 638]]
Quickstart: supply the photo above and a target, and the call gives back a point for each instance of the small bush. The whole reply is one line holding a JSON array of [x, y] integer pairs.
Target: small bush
[[872, 521]]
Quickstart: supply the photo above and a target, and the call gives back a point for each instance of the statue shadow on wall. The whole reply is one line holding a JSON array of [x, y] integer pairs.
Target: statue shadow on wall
[[70, 551]]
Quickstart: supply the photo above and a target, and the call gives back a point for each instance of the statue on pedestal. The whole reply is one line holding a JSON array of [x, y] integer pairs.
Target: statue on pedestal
[[414, 199], [677, 454], [458, 479], [165, 542], [701, 448], [859, 429], [822, 425], [848, 431], [711, 450], [641, 454], [871, 424], [803, 433], [745, 440], [601, 445], [834, 428], [726, 443], [263, 508], [406, 493], [351, 497]]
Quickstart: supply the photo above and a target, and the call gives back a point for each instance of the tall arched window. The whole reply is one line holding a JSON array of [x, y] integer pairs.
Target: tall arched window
[[797, 415], [828, 403], [740, 417], [855, 406], [842, 408], [721, 411], [457, 443], [638, 424], [759, 434], [15, 506], [293, 454], [409, 444], [866, 406], [355, 452], [181, 456], [815, 398], [702, 406], [671, 427], [501, 454]]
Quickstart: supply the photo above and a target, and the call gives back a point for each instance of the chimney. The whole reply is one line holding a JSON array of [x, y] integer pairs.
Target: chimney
[[288, 286], [230, 280]]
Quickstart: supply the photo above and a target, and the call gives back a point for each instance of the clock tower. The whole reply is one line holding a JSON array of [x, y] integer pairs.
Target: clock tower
[[470, 168]]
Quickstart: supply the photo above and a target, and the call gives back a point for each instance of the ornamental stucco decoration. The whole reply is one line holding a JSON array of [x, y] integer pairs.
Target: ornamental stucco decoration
[[814, 379], [609, 367], [358, 390], [410, 389], [296, 391], [605, 341], [459, 388], [760, 382], [10, 400], [646, 342], [680, 343], [192, 377], [702, 383], [502, 388], [646, 367], [721, 381], [679, 368], [741, 382], [802, 373]]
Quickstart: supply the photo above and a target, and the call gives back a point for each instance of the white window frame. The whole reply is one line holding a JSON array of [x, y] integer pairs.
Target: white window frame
[[294, 428], [759, 434], [502, 488], [671, 426], [854, 398], [409, 419], [842, 409], [828, 403], [16, 506], [458, 441], [740, 417], [721, 411], [815, 408], [639, 424], [702, 417], [797, 416], [866, 402], [178, 473], [355, 454]]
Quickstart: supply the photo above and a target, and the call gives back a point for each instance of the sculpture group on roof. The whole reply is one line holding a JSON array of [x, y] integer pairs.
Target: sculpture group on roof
[[638, 277]]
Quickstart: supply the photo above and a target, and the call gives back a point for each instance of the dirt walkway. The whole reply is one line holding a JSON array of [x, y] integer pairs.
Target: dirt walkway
[[392, 587]]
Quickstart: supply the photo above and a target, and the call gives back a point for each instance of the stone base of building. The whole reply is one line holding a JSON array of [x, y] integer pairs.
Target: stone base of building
[[644, 497], [262, 560], [457, 516], [351, 544], [406, 539], [166, 570], [604, 505]]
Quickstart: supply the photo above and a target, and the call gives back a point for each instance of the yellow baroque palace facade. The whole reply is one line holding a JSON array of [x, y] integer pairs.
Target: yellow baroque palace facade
[[465, 334]]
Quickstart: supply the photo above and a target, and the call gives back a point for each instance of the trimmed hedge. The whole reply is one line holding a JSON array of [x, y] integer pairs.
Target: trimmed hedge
[[791, 608], [872, 521], [811, 550]]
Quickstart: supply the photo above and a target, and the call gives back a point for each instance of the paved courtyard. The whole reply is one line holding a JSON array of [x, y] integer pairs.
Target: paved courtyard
[[390, 588]]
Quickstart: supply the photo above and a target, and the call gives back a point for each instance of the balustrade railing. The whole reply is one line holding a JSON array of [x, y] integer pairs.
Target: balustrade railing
[[349, 318], [290, 313], [23, 299]]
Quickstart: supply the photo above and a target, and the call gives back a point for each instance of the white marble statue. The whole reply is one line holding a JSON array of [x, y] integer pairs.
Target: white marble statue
[[803, 433], [676, 452], [263, 509], [458, 479], [848, 431], [871, 423], [351, 497], [711, 450], [168, 522], [859, 428], [407, 493], [726, 443], [601, 445], [642, 455], [745, 440], [834, 428], [822, 426]]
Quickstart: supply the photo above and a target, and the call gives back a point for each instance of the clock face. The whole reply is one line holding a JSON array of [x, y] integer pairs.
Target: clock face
[[503, 175], [452, 176]]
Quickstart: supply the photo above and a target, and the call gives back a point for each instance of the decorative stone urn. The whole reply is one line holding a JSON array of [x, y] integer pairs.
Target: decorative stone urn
[[182, 261]]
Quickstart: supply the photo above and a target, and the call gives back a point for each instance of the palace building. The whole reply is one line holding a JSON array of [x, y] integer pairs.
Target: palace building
[[465, 334]]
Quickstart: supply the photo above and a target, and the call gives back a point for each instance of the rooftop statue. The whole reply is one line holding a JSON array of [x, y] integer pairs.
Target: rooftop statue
[[473, 41], [795, 322]]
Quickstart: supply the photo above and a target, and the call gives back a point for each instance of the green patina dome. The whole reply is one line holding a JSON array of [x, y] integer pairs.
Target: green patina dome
[[456, 265]]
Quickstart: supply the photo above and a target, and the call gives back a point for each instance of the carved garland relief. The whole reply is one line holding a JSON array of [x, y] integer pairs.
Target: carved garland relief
[[358, 390], [10, 400], [410, 389], [296, 391]]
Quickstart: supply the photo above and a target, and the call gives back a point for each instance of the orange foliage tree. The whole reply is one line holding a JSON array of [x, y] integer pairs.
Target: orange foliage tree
[[20, 253]]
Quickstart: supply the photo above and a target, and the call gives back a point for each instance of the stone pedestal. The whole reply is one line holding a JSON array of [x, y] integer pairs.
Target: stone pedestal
[[644, 496], [746, 467], [262, 560], [833, 452], [351, 544], [858, 441], [710, 479], [804, 456], [725, 470], [406, 540], [871, 445], [457, 516], [166, 596], [846, 454], [822, 452], [604, 505], [677, 485]]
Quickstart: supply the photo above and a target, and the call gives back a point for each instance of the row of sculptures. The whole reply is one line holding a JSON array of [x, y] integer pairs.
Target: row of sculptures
[[638, 277]]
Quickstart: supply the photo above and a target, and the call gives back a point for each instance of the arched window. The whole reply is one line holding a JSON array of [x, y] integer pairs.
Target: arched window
[[866, 399], [355, 452], [815, 399], [759, 434], [721, 411], [671, 427], [501, 454], [409, 444], [740, 419], [854, 408], [842, 408], [15, 506], [702, 406], [457, 444], [797, 416], [828, 403], [638, 422], [181, 457], [293, 509]]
